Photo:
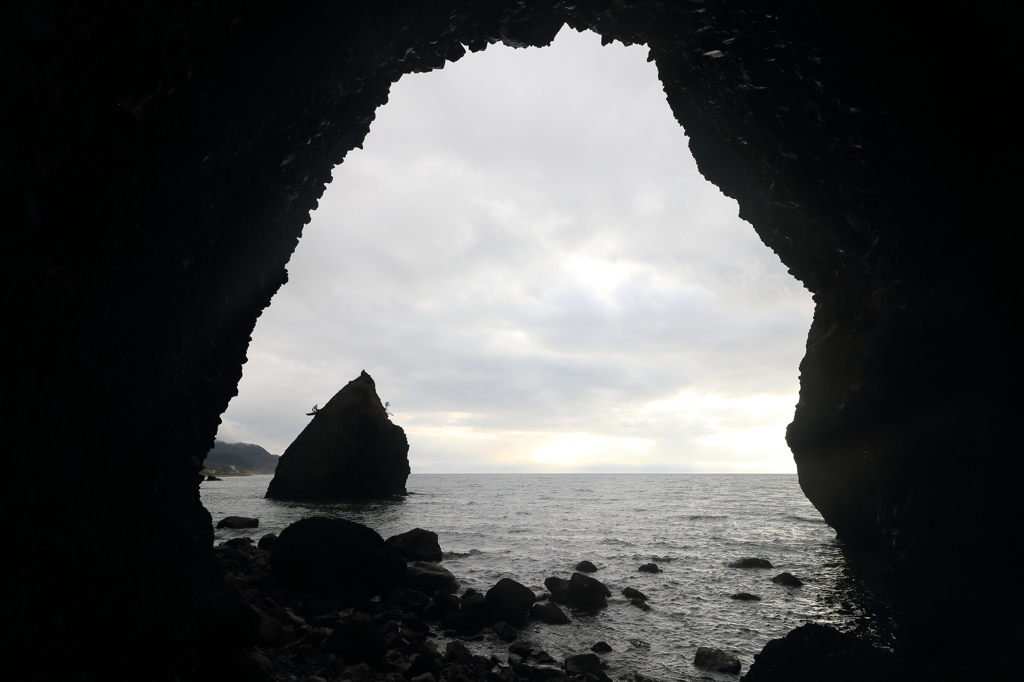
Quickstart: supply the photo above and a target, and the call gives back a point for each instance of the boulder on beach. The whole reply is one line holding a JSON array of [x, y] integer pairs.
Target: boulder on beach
[[586, 567], [238, 522], [581, 664], [649, 568], [322, 555], [416, 545], [716, 660], [505, 632], [787, 579], [267, 541], [750, 562], [350, 450], [579, 592], [549, 613], [428, 577], [509, 601], [601, 647]]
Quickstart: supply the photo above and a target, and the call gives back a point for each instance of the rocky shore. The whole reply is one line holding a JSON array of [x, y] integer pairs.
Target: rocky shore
[[331, 600]]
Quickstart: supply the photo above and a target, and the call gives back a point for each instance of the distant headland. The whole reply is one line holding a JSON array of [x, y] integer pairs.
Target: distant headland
[[238, 459]]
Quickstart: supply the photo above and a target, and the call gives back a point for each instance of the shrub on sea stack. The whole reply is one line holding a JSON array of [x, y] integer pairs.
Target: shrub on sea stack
[[325, 556]]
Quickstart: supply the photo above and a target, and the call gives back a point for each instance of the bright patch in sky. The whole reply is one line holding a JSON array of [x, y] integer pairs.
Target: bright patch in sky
[[526, 260]]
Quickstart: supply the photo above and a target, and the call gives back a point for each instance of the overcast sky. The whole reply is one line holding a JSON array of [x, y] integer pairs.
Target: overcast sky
[[525, 259]]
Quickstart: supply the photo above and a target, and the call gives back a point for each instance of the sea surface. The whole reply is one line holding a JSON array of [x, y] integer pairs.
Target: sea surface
[[532, 526]]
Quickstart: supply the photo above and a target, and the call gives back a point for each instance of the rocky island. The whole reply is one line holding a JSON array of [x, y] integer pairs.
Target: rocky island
[[350, 450]]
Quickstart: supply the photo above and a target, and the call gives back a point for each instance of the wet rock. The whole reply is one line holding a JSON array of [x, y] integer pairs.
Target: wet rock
[[745, 596], [716, 660], [632, 593], [472, 600], [463, 622], [243, 544], [429, 577], [238, 522], [443, 602], [505, 632], [350, 450], [601, 647], [408, 599], [424, 677], [820, 652], [649, 568], [356, 639], [416, 545], [586, 567], [457, 652], [211, 477], [320, 555], [270, 630], [640, 604], [549, 613], [579, 592], [267, 541], [787, 579], [750, 562], [580, 664], [361, 672], [509, 601]]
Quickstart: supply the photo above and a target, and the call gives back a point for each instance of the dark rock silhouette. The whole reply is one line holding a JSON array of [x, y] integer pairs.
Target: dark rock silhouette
[[416, 545], [787, 579], [509, 601], [819, 652], [159, 167], [548, 613], [429, 577], [751, 562], [349, 450], [716, 660], [238, 522], [581, 664], [649, 568], [601, 647], [745, 596], [322, 555], [579, 592], [586, 567], [633, 593], [505, 632], [640, 604]]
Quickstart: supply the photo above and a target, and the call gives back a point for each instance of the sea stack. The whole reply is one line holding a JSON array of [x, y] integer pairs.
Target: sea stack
[[349, 450]]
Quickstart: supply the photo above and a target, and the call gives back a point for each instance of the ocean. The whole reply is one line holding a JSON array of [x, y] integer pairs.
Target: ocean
[[532, 526]]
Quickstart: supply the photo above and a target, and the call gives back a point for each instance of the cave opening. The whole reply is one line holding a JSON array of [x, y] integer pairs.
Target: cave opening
[[156, 177], [526, 258]]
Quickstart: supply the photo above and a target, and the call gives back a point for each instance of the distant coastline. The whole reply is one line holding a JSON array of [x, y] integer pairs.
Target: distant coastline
[[238, 459]]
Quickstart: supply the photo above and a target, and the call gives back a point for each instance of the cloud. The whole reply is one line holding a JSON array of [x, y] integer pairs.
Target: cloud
[[526, 260]]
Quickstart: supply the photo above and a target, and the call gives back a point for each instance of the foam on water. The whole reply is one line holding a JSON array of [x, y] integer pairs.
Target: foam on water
[[531, 526]]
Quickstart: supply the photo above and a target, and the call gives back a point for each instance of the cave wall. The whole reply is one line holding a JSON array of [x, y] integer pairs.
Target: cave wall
[[158, 164]]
